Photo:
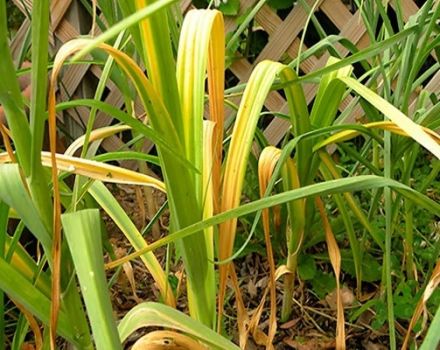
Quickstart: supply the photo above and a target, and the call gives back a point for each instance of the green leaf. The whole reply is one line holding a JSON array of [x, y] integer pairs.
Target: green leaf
[[11, 98], [83, 233], [371, 269], [230, 7], [306, 267], [381, 314], [323, 283], [15, 195], [356, 183], [404, 300], [432, 338]]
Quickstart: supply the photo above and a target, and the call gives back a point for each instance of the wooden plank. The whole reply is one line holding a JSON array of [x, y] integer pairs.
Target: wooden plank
[[58, 9], [337, 12], [283, 37], [408, 7], [19, 39], [270, 21], [231, 22], [57, 12]]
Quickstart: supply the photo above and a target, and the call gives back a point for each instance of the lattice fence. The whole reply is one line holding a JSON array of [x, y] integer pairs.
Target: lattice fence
[[284, 35]]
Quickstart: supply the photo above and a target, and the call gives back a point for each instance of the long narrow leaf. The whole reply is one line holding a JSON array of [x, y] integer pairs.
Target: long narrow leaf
[[412, 129], [15, 195], [82, 230], [96, 170]]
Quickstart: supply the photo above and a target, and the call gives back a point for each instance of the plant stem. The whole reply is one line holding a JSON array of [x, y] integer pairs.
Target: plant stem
[[289, 287], [388, 236], [4, 212]]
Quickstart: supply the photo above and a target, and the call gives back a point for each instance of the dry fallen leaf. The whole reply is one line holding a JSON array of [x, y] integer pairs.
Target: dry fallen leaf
[[373, 346], [310, 344], [252, 289], [347, 298], [128, 269], [290, 324]]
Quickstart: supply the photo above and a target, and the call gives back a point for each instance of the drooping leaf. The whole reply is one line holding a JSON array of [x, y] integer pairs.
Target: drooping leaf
[[158, 315]]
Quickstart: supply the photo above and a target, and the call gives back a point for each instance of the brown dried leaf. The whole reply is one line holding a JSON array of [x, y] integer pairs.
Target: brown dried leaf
[[290, 324], [252, 289], [347, 298], [374, 346], [128, 269], [335, 260], [310, 344], [242, 315]]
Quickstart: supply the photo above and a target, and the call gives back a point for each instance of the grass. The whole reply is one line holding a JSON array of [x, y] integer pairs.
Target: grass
[[361, 205]]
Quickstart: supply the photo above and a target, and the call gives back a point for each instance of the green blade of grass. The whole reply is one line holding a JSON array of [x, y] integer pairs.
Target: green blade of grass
[[127, 155], [371, 51], [37, 115], [432, 338], [159, 60]]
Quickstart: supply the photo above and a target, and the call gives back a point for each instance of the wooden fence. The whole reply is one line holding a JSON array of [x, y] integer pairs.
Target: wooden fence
[[284, 36]]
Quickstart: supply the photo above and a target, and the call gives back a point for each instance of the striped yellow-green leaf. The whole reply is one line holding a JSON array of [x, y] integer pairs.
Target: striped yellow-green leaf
[[411, 128], [384, 125], [252, 102], [96, 170], [158, 315]]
